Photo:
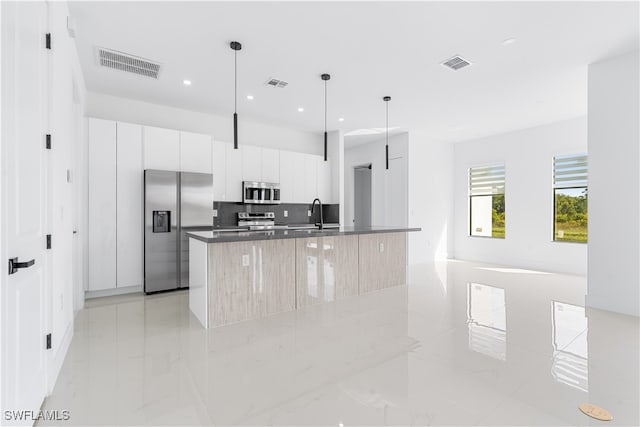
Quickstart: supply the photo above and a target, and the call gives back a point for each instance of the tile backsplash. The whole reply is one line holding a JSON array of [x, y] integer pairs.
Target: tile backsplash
[[297, 213]]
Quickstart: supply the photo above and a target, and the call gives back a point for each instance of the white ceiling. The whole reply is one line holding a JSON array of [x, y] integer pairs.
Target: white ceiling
[[371, 49]]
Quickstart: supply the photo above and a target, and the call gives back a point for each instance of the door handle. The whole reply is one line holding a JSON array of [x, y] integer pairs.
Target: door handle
[[14, 265]]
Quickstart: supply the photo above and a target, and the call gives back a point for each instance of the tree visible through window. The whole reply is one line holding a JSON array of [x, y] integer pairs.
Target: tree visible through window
[[486, 201], [570, 194]]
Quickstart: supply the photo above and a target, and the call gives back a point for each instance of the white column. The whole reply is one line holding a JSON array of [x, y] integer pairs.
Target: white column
[[614, 185], [335, 148]]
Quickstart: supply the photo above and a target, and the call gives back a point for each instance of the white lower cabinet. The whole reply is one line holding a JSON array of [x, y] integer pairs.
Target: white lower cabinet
[[129, 206], [102, 204]]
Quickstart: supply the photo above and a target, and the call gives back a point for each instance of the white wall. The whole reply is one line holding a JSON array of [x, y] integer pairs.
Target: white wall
[[374, 153], [614, 187], [430, 199], [528, 158], [220, 127]]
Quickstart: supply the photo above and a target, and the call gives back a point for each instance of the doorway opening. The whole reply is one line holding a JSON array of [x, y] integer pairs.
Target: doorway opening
[[362, 196]]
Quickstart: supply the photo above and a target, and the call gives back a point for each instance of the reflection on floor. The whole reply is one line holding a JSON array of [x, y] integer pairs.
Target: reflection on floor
[[462, 344]]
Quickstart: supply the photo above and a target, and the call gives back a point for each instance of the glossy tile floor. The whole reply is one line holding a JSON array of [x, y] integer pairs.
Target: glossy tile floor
[[462, 344]]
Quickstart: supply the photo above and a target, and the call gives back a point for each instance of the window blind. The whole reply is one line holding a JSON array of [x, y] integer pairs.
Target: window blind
[[570, 171], [486, 180]]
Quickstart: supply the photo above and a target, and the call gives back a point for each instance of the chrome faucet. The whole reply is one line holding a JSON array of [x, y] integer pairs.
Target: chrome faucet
[[313, 209]]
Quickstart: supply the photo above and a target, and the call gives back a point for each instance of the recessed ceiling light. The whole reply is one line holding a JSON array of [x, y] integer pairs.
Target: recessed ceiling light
[[187, 82], [341, 119], [300, 109], [508, 41], [250, 97]]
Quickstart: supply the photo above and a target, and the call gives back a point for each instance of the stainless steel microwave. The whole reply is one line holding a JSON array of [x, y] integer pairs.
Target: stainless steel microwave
[[267, 193]]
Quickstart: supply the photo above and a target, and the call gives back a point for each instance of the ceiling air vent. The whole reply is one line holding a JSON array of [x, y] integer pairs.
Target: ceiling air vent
[[276, 83], [456, 63], [129, 63]]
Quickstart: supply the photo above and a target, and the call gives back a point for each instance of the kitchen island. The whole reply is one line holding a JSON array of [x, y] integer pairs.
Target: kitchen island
[[243, 275]]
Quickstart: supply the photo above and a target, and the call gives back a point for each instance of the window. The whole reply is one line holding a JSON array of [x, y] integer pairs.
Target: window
[[570, 198], [486, 201]]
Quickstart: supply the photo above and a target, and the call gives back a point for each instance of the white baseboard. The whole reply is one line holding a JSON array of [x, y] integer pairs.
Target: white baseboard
[[57, 359], [112, 292]]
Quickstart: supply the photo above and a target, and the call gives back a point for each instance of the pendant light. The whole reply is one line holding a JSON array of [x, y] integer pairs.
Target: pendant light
[[235, 46], [386, 99], [326, 78]]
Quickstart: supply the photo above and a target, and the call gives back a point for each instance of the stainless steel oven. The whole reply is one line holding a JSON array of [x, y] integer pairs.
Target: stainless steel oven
[[267, 193]]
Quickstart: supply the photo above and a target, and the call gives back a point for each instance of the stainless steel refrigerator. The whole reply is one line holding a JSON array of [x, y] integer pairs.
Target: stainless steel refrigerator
[[174, 203]]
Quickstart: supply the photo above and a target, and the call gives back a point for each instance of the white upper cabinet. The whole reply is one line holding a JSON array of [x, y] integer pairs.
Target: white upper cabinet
[[270, 165], [310, 178], [219, 171], [292, 177], [251, 163], [233, 182], [195, 152], [260, 164], [102, 204], [161, 148], [130, 193], [324, 181], [287, 176], [299, 175]]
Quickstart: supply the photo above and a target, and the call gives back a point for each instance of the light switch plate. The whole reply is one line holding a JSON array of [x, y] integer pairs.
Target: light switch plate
[[286, 214], [308, 213], [215, 213], [245, 260], [381, 247]]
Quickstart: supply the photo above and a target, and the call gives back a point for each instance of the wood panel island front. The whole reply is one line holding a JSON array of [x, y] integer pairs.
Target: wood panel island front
[[242, 275]]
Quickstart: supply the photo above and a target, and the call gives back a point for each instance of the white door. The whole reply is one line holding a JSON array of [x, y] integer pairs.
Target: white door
[[25, 63]]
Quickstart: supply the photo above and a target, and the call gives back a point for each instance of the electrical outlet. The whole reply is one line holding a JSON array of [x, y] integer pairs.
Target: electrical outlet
[[286, 214], [308, 213], [245, 260], [381, 247], [215, 213]]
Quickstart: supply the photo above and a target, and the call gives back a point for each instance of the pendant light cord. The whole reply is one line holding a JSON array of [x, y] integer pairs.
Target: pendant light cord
[[235, 81], [325, 105], [387, 122]]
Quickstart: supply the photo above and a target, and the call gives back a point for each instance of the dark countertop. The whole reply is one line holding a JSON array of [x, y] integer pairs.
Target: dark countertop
[[242, 236]]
